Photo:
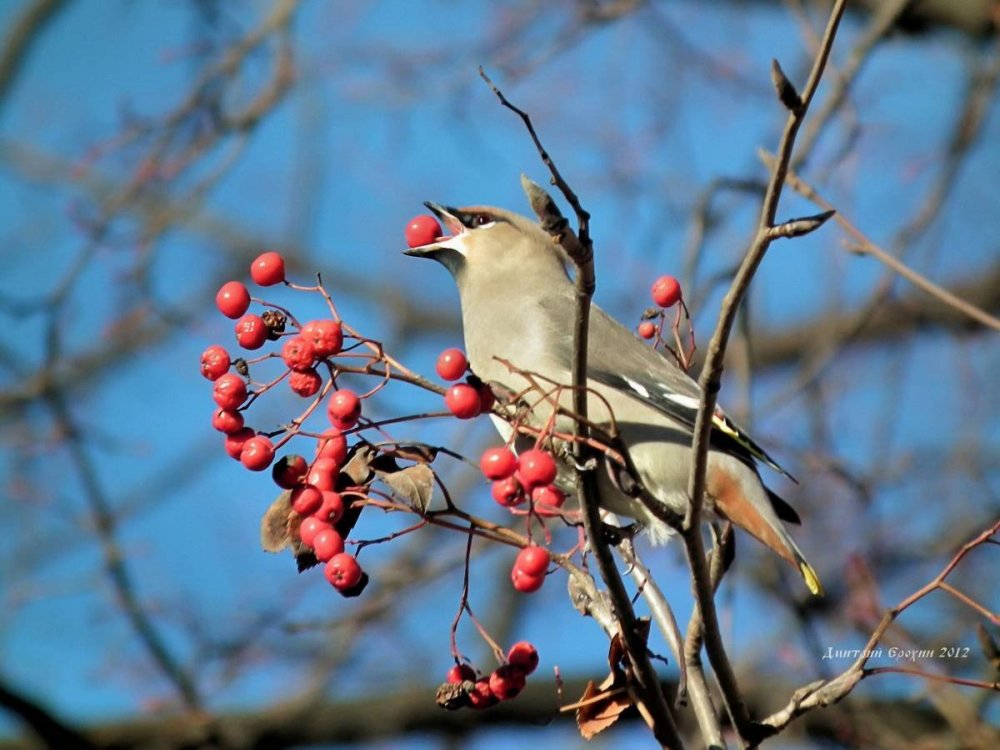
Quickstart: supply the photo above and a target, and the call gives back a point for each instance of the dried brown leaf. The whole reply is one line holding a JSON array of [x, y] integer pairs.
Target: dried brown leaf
[[274, 531], [414, 485], [454, 695], [602, 708], [358, 467]]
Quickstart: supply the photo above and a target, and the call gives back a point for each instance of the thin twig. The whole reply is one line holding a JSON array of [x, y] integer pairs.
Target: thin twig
[[580, 250], [863, 245], [823, 693], [114, 560], [711, 379], [933, 676]]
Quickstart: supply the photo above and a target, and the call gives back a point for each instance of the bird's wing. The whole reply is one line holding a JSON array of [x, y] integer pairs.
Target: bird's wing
[[643, 373]]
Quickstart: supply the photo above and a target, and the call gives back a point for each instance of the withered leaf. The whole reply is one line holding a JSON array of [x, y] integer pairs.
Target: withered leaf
[[274, 532], [602, 707], [454, 695], [617, 656], [357, 468], [414, 485]]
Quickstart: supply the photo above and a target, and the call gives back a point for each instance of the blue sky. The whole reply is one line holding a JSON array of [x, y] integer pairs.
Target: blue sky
[[386, 136]]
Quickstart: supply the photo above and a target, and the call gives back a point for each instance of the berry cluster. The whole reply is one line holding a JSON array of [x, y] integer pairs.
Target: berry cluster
[[518, 479], [465, 400], [324, 495], [666, 292], [504, 683], [317, 511]]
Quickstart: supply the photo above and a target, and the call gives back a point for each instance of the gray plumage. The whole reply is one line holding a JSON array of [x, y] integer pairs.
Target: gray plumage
[[518, 304]]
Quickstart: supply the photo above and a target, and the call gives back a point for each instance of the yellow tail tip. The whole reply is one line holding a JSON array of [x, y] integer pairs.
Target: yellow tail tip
[[811, 579]]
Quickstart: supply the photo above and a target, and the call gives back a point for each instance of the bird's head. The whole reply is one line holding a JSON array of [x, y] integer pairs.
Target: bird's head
[[493, 244]]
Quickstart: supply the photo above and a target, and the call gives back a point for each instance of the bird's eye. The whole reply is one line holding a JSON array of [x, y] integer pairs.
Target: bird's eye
[[480, 220]]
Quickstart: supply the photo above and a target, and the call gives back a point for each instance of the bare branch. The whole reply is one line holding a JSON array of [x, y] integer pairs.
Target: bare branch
[[45, 725], [864, 246], [711, 379], [820, 694], [581, 252], [20, 36]]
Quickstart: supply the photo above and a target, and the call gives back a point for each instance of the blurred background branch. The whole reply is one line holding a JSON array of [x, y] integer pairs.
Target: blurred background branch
[[149, 151]]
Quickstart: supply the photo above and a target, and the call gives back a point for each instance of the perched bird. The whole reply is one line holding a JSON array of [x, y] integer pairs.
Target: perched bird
[[518, 302]]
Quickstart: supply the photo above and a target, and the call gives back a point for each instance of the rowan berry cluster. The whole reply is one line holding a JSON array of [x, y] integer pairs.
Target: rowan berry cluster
[[323, 491], [502, 684], [666, 293], [317, 510], [465, 400]]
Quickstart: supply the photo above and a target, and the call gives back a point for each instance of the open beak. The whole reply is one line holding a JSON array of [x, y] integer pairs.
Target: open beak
[[449, 218]]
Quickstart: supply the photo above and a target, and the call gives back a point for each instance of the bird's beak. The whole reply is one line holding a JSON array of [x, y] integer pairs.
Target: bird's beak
[[448, 217]]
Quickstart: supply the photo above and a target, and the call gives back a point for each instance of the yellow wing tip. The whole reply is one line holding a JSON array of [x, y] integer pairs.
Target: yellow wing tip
[[811, 579]]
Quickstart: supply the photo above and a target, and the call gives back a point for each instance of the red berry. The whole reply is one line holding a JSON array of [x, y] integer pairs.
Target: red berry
[[536, 467], [251, 331], [507, 682], [666, 291], [508, 492], [326, 544], [451, 364], [232, 299], [344, 409], [481, 697], [422, 230], [343, 571], [332, 508], [214, 362], [326, 337], [297, 353], [323, 474], [333, 445], [306, 383], [310, 528], [230, 391], [463, 401], [236, 440], [498, 463], [268, 269], [548, 499], [460, 673], [533, 560], [257, 453], [289, 471], [524, 583], [647, 329], [306, 499], [524, 656], [227, 421]]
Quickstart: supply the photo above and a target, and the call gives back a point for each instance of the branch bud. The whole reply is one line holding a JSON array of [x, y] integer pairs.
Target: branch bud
[[786, 91], [800, 227]]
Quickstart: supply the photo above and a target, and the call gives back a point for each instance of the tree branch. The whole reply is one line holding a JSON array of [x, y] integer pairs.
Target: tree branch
[[711, 379], [45, 725], [22, 33], [862, 245], [580, 250]]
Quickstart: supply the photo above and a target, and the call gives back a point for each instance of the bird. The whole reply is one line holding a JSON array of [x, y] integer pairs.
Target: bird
[[518, 303]]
